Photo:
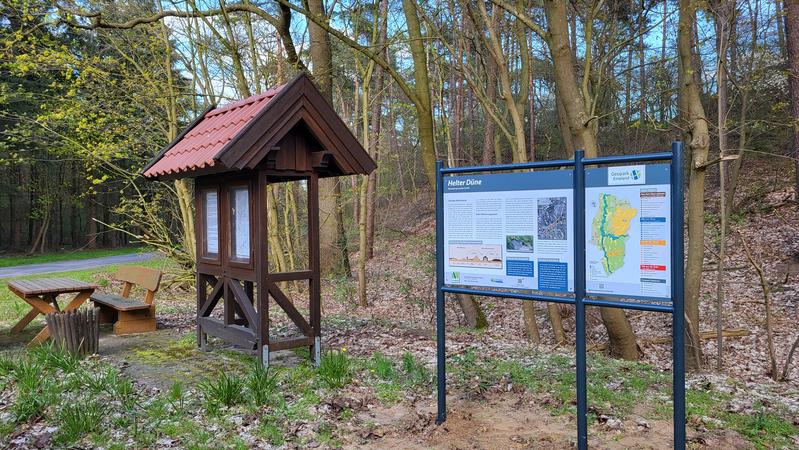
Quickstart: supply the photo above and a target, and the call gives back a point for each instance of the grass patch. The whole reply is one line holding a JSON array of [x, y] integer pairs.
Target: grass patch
[[223, 390], [77, 420], [21, 260], [415, 372], [174, 350], [261, 385], [382, 367], [618, 388], [335, 369]]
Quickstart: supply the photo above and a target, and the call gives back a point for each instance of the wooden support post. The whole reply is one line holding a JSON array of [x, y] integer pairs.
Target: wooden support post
[[313, 255], [230, 303], [262, 270], [202, 295]]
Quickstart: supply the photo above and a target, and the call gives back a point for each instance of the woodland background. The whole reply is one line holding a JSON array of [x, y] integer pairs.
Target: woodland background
[[90, 91]]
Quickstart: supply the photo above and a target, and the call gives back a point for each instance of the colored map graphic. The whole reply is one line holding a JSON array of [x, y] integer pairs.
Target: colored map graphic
[[609, 230]]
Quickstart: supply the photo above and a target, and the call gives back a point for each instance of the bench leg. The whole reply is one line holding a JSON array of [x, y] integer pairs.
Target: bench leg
[[129, 322], [25, 321], [107, 315]]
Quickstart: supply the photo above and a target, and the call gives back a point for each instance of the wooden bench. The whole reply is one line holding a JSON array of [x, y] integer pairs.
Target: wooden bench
[[130, 315]]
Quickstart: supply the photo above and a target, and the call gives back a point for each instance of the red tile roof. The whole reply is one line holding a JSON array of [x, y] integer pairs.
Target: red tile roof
[[198, 146]]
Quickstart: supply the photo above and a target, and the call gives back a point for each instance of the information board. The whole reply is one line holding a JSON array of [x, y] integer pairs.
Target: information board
[[510, 230], [627, 231]]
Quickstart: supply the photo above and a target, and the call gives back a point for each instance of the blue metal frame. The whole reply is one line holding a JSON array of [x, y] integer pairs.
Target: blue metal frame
[[676, 308]]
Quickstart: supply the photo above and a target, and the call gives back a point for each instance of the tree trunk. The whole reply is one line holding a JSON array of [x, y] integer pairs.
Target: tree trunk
[[664, 97], [491, 95], [424, 113], [780, 27], [642, 66], [791, 12], [723, 24], [620, 332], [91, 207], [555, 318], [694, 123], [628, 82], [377, 115], [332, 239]]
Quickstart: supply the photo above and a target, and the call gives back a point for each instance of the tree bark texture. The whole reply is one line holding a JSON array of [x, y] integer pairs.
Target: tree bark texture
[[694, 122], [791, 14], [620, 332]]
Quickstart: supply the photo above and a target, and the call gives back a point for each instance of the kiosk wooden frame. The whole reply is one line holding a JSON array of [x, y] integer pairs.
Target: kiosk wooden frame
[[288, 133]]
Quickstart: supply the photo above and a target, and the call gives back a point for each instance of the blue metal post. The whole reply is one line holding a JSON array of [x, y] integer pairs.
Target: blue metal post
[[441, 350], [579, 294], [677, 294]]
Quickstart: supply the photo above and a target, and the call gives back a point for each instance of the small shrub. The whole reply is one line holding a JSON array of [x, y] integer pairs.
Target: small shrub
[[335, 370], [382, 367], [52, 355], [261, 385], [416, 372], [177, 395], [28, 375], [7, 366], [226, 390], [96, 381], [28, 405], [77, 420]]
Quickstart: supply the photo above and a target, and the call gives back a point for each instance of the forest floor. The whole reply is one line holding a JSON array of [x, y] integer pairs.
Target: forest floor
[[375, 388]]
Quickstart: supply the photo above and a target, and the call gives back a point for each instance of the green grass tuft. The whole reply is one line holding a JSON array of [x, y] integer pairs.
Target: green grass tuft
[[335, 370], [415, 371], [261, 386], [224, 390], [77, 420], [383, 367]]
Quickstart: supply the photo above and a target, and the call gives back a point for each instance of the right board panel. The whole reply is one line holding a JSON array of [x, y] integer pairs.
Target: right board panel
[[628, 231]]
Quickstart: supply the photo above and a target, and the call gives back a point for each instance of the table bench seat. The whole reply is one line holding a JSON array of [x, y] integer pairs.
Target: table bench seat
[[130, 315], [118, 302]]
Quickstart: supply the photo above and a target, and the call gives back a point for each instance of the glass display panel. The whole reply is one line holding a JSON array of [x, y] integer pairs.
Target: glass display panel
[[241, 223], [211, 204]]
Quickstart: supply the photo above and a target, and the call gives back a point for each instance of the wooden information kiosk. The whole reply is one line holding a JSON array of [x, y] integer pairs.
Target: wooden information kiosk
[[287, 133]]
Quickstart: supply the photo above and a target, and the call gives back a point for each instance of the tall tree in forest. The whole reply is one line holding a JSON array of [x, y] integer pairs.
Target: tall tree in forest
[[579, 109], [333, 239], [724, 21], [578, 101], [695, 126], [791, 14]]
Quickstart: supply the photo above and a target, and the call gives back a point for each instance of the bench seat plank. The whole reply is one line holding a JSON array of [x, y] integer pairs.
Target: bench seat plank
[[119, 303]]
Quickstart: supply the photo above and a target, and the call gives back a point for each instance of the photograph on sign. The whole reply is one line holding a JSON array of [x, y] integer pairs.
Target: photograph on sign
[[510, 231], [628, 231]]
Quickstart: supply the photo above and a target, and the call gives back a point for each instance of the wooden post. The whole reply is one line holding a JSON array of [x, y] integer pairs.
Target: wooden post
[[313, 255], [262, 269], [202, 296]]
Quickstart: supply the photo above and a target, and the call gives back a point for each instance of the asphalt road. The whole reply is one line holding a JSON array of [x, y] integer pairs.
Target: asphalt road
[[68, 266]]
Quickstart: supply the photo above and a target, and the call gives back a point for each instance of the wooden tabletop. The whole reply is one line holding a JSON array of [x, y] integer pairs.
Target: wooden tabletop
[[41, 286]]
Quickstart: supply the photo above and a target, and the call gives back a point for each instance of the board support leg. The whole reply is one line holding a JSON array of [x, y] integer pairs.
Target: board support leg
[[677, 295], [203, 340], [265, 357], [317, 351], [441, 348], [579, 306]]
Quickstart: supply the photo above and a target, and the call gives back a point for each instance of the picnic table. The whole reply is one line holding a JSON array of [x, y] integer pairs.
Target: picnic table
[[42, 295]]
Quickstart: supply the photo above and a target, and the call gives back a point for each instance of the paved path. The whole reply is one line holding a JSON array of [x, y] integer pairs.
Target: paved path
[[68, 266]]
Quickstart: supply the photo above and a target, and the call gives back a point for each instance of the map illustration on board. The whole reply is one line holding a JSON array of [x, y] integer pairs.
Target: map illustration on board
[[610, 230], [552, 213]]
